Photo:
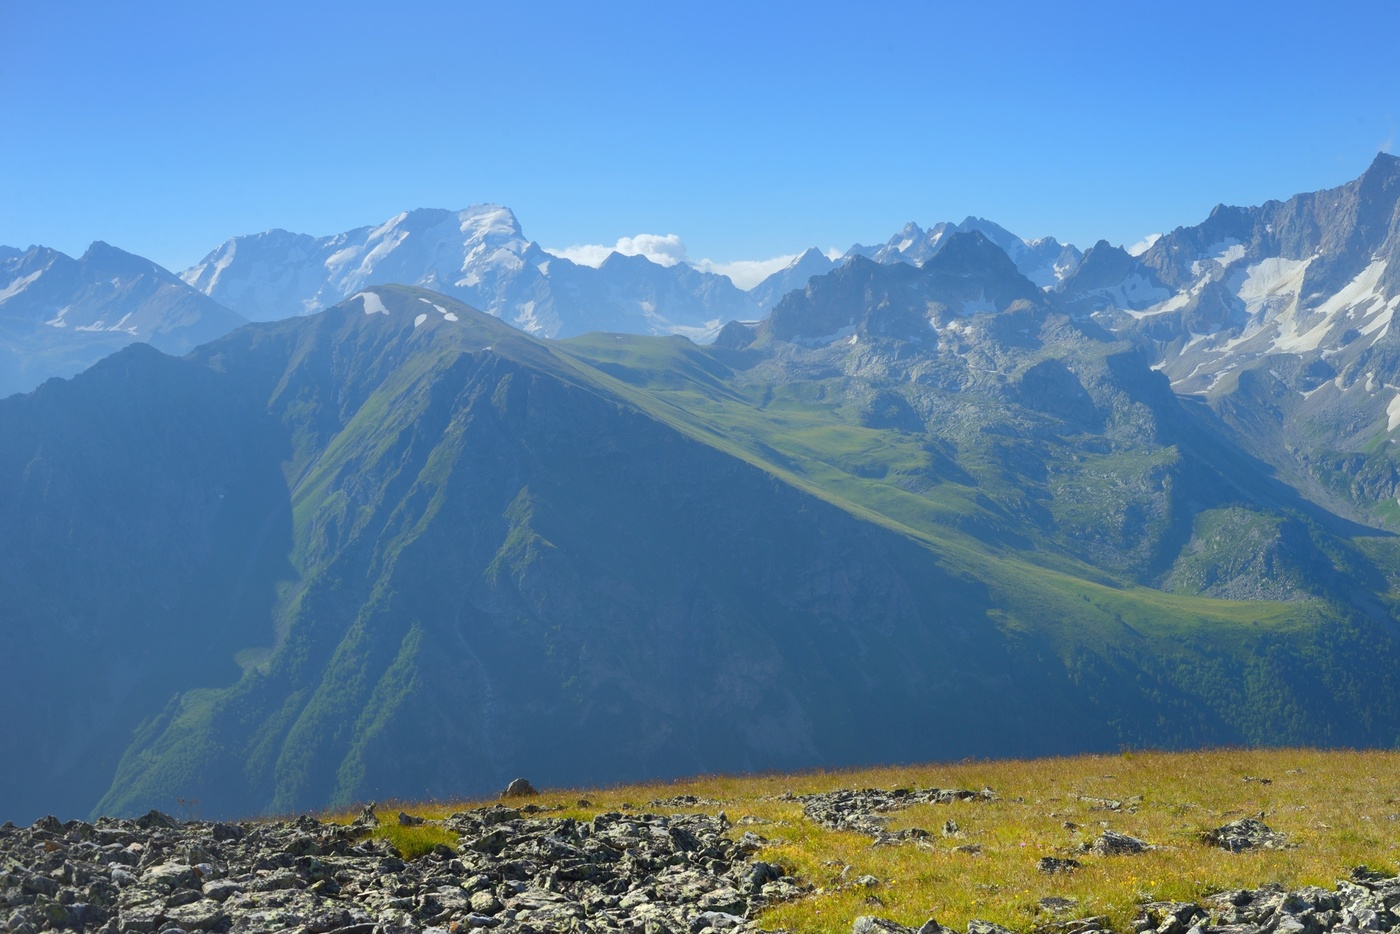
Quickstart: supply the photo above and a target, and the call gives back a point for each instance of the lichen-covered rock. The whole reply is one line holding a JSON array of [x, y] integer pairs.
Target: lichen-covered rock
[[1113, 843], [1246, 834]]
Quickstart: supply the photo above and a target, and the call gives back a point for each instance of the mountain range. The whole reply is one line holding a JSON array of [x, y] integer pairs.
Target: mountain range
[[959, 503], [59, 315], [478, 255]]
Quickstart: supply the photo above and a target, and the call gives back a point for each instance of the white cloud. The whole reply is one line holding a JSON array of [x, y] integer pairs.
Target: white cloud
[[1143, 245], [662, 249], [746, 273]]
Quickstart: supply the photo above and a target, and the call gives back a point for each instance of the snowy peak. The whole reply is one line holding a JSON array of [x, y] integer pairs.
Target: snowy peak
[[480, 256], [277, 274], [108, 290], [61, 315], [1109, 277], [1313, 277], [1044, 261], [795, 275], [913, 244], [104, 260]]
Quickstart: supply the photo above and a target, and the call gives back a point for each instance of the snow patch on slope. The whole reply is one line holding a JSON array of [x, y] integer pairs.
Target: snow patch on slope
[[373, 304], [19, 285]]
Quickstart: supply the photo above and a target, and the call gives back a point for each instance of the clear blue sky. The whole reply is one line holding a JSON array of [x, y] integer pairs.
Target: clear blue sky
[[749, 129]]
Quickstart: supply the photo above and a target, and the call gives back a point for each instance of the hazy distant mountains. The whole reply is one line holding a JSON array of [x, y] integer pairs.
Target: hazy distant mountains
[[1045, 261], [59, 315], [479, 256]]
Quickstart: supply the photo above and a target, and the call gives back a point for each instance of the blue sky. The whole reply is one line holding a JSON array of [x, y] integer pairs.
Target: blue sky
[[748, 130]]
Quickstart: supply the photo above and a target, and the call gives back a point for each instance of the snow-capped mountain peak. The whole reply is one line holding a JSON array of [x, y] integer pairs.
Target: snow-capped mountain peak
[[63, 314], [1045, 261], [1316, 277], [479, 255]]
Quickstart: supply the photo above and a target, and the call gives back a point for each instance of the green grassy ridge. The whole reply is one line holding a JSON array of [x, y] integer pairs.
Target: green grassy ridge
[[1075, 605], [1148, 666], [925, 517]]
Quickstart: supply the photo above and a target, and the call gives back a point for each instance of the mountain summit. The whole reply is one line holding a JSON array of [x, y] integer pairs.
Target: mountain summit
[[59, 315], [478, 255]]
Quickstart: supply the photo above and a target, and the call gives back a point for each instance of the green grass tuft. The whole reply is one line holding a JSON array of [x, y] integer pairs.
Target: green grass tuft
[[415, 841]]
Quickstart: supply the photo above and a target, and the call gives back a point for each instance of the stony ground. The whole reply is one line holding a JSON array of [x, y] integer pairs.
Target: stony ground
[[511, 871], [527, 870]]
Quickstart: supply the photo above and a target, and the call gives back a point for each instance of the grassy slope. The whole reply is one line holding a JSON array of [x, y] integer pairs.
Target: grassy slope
[[1341, 808], [1238, 660], [810, 446], [1233, 671]]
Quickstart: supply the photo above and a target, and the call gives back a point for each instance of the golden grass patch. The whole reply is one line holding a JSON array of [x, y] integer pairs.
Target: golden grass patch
[[1342, 809]]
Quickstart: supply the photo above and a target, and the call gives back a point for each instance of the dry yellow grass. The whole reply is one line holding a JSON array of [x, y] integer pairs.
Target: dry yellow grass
[[1341, 808]]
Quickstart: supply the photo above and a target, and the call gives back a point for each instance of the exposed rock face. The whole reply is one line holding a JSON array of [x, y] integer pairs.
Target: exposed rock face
[[514, 870]]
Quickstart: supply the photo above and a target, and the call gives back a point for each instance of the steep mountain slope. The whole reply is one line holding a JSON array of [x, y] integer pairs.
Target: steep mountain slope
[[144, 517], [1064, 439], [478, 255], [401, 548], [1279, 316], [59, 315]]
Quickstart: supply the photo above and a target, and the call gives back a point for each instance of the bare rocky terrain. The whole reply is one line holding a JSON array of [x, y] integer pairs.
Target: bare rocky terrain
[[525, 869]]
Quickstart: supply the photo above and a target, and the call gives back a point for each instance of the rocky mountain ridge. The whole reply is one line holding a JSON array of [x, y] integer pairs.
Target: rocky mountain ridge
[[59, 315]]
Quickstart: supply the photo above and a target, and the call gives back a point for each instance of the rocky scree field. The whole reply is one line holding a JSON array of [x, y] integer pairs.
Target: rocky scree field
[[1291, 841]]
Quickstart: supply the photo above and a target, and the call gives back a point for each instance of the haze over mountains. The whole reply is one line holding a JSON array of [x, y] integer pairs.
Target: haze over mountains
[[59, 315], [478, 255], [941, 501]]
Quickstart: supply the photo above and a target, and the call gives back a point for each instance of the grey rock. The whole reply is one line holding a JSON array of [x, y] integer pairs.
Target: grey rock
[[1113, 843], [868, 924], [715, 921], [520, 788], [1055, 864], [861, 810], [985, 927], [1246, 834]]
